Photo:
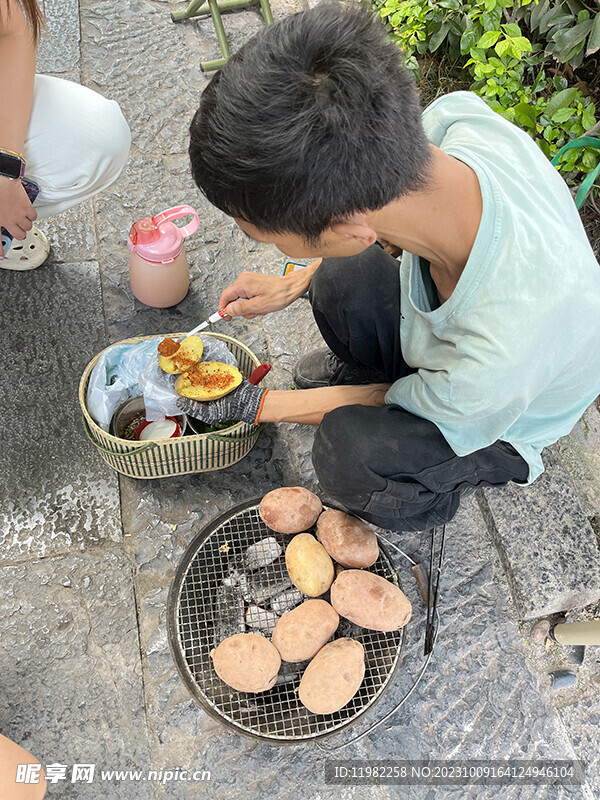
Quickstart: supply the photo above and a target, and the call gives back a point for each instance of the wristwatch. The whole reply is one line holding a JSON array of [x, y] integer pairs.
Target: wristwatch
[[12, 165]]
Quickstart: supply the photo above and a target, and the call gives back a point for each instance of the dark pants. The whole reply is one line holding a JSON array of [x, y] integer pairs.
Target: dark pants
[[386, 465]]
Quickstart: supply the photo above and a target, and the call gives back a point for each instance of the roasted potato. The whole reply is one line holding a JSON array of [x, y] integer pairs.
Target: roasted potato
[[174, 357], [302, 632], [309, 565], [247, 662], [333, 677], [290, 509], [370, 601], [348, 540], [208, 380]]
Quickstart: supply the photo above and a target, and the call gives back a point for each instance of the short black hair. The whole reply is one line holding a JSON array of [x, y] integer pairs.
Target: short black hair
[[312, 120]]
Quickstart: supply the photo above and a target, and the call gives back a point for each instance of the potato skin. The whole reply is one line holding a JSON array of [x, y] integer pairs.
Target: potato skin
[[309, 565], [370, 601], [247, 662], [348, 540], [302, 632], [291, 509], [333, 677]]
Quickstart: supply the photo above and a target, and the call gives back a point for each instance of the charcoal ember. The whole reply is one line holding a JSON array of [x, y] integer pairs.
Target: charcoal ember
[[262, 553], [286, 601], [229, 613], [288, 672], [348, 630], [261, 619], [269, 581]]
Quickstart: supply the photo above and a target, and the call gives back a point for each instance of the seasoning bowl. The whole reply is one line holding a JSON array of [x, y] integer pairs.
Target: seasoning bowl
[[130, 415]]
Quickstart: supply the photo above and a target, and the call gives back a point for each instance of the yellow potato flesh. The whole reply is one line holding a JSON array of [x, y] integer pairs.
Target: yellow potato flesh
[[208, 380], [188, 355]]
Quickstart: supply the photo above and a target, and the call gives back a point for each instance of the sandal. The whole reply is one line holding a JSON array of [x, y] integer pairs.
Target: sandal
[[27, 253]]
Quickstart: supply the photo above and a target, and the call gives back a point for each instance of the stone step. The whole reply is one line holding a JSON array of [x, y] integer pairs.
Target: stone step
[[548, 549]]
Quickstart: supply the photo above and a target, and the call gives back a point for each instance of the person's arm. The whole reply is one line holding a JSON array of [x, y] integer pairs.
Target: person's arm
[[308, 406], [263, 294], [17, 60], [253, 404]]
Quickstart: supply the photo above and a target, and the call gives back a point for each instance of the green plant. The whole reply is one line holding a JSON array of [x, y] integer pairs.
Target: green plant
[[570, 29], [510, 70]]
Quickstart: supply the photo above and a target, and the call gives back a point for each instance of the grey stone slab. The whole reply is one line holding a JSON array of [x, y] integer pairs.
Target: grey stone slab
[[58, 51], [477, 700], [580, 453], [56, 493], [136, 55], [72, 234], [71, 690], [545, 541]]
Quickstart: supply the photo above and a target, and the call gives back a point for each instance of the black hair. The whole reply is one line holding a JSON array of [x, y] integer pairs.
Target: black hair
[[312, 120]]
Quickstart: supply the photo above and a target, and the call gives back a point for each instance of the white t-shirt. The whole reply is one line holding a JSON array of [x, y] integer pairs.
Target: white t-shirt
[[514, 353]]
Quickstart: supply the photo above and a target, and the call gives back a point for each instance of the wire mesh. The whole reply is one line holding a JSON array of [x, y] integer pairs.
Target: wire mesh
[[211, 598]]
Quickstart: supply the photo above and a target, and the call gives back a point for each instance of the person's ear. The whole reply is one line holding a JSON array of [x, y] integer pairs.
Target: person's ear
[[355, 227]]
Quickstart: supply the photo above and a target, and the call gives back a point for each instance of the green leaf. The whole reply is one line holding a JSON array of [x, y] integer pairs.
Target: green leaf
[[438, 37], [503, 47], [489, 39], [594, 41], [568, 40], [562, 115], [511, 29], [491, 19], [526, 114], [537, 13], [519, 45], [469, 38], [560, 100], [588, 159]]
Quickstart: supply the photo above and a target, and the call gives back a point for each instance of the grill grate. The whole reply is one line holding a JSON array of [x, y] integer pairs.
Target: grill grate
[[199, 617]]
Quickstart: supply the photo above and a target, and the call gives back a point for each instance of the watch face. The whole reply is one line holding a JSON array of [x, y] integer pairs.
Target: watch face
[[10, 166]]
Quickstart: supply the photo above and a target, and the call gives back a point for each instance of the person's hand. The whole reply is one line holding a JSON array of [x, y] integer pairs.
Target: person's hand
[[17, 214], [243, 404], [262, 294]]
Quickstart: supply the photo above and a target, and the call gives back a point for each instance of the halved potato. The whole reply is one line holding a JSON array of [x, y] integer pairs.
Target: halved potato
[[208, 380], [174, 357]]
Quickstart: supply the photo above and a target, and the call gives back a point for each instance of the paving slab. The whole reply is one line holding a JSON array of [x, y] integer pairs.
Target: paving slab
[[136, 55], [547, 545], [477, 700], [58, 50], [71, 690], [72, 234], [55, 495], [580, 454]]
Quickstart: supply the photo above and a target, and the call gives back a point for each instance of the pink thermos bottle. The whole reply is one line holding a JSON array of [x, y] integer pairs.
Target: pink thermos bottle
[[158, 268]]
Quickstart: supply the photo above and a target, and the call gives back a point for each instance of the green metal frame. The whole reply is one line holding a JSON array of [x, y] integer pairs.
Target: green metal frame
[[198, 8]]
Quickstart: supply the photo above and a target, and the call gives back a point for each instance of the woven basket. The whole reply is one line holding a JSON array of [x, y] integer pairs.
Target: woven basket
[[205, 452]]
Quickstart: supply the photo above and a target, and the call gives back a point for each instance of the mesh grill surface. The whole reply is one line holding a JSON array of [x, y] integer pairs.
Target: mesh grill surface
[[276, 715]]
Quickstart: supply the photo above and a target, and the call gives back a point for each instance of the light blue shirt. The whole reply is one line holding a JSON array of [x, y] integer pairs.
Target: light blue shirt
[[514, 353]]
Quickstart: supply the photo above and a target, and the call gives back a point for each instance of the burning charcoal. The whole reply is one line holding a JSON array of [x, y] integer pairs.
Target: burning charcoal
[[286, 601], [261, 620], [288, 673], [244, 587], [269, 581], [262, 553], [229, 613]]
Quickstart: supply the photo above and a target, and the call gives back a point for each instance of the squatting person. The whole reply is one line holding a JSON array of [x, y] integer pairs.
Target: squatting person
[[451, 369]]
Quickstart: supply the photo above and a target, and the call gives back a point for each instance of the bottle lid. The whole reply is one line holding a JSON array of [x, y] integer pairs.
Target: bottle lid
[[144, 231]]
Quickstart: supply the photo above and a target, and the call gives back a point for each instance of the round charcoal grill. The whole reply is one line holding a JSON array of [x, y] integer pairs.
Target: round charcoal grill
[[212, 590]]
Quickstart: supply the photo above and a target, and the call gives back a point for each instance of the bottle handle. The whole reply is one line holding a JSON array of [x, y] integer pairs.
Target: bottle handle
[[178, 212]]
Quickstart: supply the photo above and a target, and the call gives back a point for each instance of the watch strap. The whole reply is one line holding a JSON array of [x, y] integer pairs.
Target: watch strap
[[12, 165]]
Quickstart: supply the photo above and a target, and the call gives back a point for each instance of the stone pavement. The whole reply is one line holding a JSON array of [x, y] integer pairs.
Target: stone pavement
[[87, 557]]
